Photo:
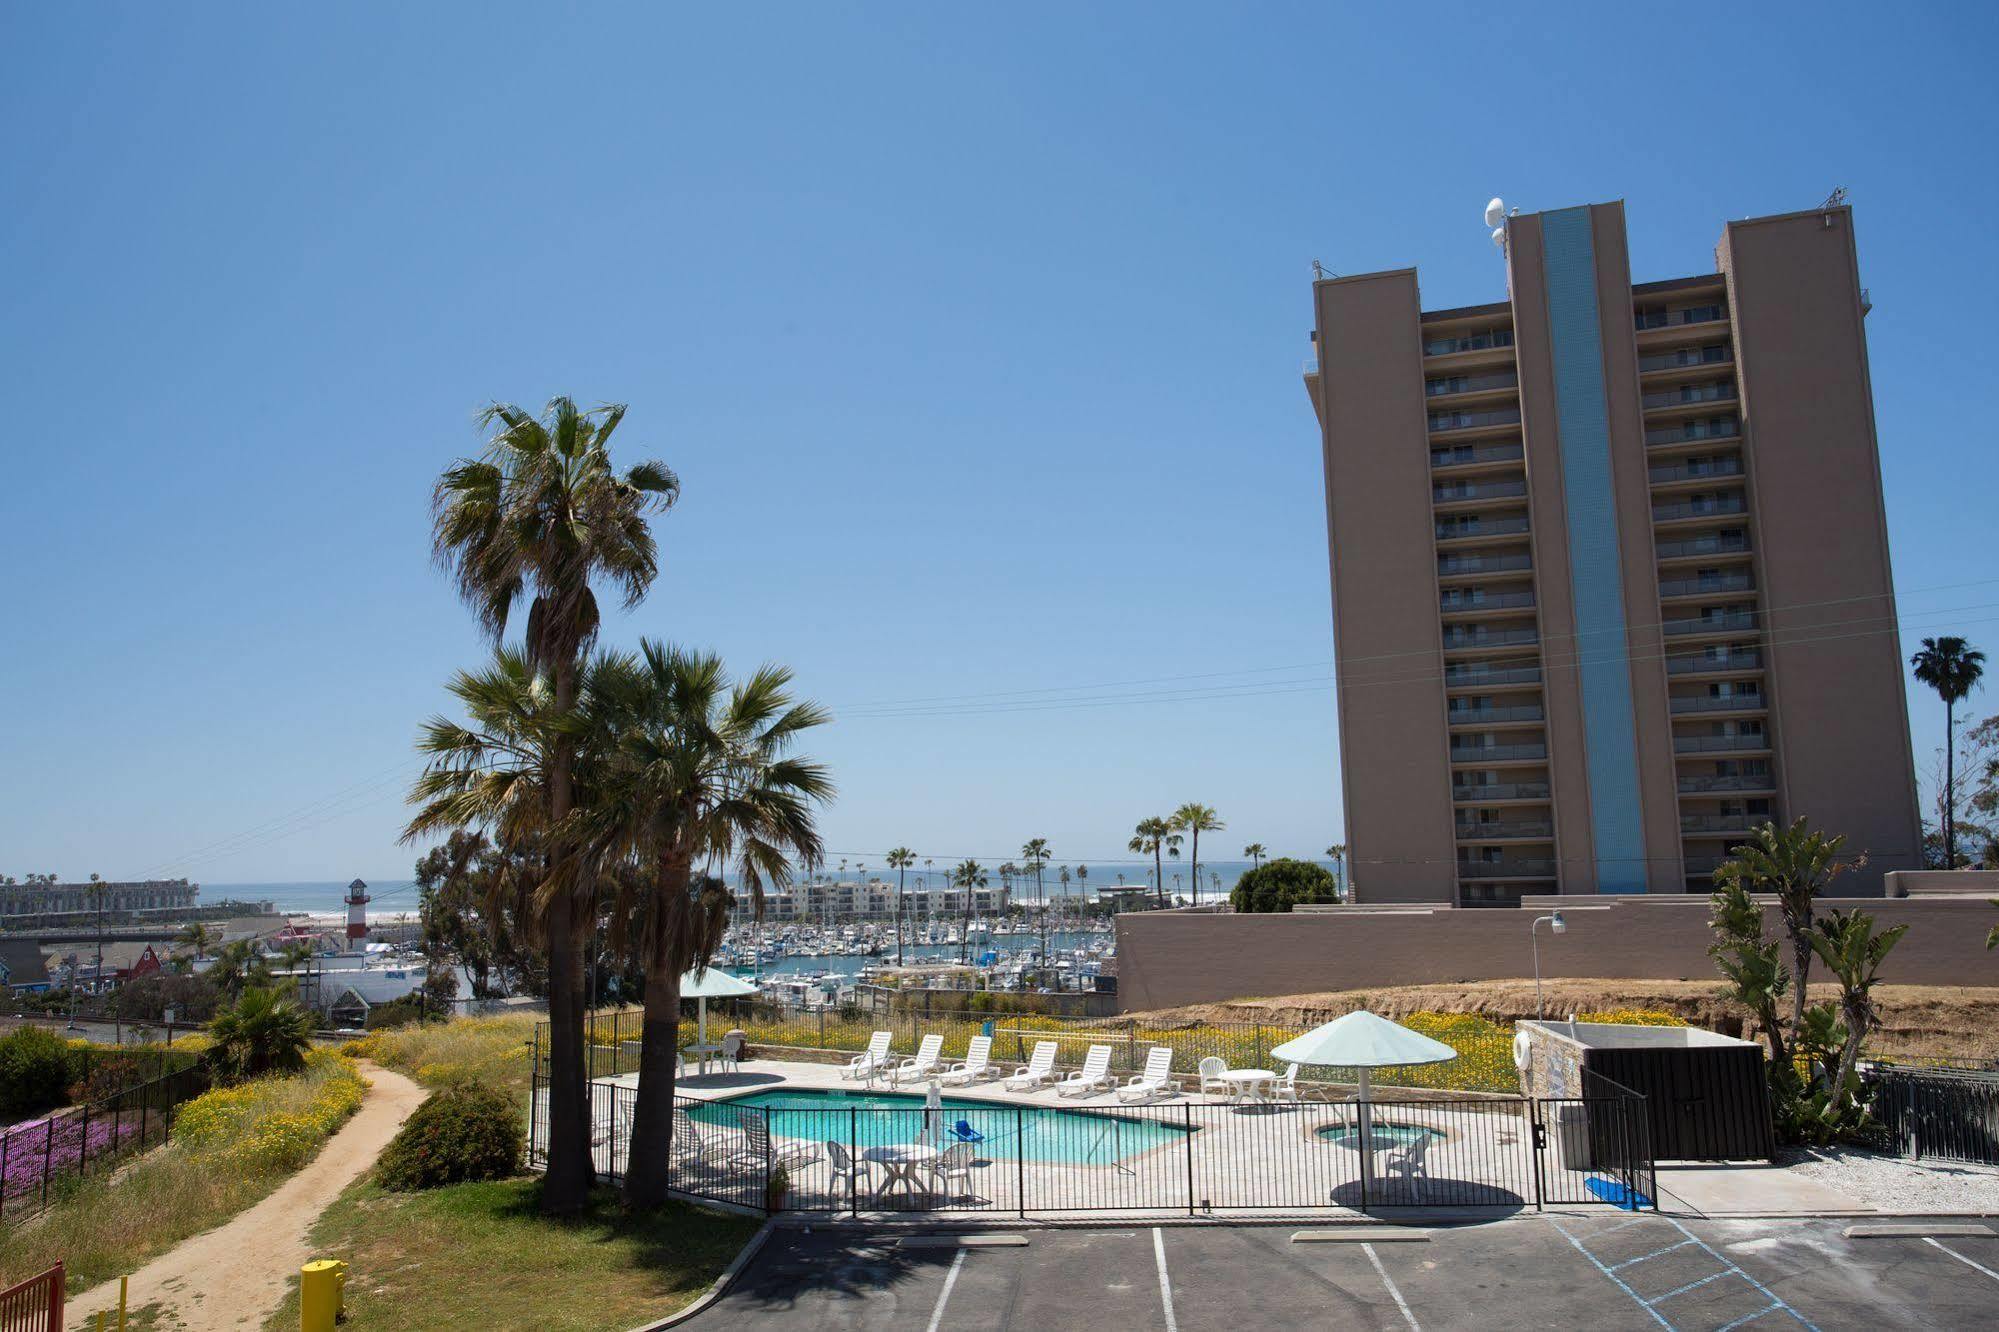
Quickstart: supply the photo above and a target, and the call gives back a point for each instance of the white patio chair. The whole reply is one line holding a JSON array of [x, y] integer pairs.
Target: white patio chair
[[1093, 1077], [977, 1065], [1286, 1087], [1037, 1071], [954, 1165], [1411, 1163], [1212, 1081], [732, 1050], [1156, 1080], [923, 1065], [874, 1062], [758, 1147], [854, 1173]]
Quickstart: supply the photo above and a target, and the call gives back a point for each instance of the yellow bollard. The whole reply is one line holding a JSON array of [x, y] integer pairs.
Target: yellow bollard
[[321, 1285], [122, 1287]]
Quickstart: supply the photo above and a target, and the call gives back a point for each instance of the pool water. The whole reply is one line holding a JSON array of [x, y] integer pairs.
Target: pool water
[[1381, 1135], [883, 1119]]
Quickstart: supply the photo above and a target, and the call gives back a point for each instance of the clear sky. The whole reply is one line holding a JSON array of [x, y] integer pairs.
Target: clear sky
[[974, 335]]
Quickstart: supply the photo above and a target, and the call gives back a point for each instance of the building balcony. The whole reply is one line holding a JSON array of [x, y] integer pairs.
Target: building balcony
[[1506, 832], [1465, 562], [1702, 546], [1704, 865], [1516, 713], [1467, 529], [1487, 339], [1711, 470], [1459, 636], [1721, 506], [1733, 623], [1492, 418], [1495, 793], [1523, 752], [1485, 601], [1689, 395], [1702, 824], [1696, 704], [1704, 784], [1452, 386], [1480, 676], [1644, 321], [1723, 664], [1695, 432], [1754, 742], [1506, 869], [1686, 358], [1460, 492], [1477, 455], [1713, 585]]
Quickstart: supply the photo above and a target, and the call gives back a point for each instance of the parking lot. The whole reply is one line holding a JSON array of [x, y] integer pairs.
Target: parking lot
[[1605, 1271]]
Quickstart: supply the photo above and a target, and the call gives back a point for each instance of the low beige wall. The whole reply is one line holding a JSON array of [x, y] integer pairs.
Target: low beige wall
[[1168, 958]]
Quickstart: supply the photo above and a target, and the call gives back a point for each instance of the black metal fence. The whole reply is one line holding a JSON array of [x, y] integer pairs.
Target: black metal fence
[[1187, 1158], [39, 1158], [1938, 1113]]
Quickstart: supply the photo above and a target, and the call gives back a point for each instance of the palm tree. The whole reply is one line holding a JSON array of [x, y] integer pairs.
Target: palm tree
[[541, 515], [1082, 886], [691, 771], [1795, 865], [1953, 668], [1853, 952], [1035, 852], [968, 876], [262, 1032], [1337, 853], [899, 860], [1256, 853], [1196, 819], [1153, 837], [198, 937], [1062, 877]]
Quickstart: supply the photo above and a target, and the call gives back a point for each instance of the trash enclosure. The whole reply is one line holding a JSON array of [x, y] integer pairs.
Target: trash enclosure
[[1706, 1094]]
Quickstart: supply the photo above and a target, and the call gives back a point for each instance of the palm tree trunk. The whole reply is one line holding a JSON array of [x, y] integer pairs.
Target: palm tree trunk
[[571, 1171], [1158, 875], [1196, 858], [651, 1147], [1949, 787]]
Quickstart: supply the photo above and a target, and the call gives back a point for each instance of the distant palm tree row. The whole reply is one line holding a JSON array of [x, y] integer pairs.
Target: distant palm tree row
[[618, 784]]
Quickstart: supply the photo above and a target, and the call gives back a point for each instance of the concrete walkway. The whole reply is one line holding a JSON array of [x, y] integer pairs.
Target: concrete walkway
[[236, 1275]]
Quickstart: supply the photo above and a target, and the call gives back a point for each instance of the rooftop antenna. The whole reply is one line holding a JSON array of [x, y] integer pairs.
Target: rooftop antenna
[[1495, 217], [1836, 199], [1320, 272]]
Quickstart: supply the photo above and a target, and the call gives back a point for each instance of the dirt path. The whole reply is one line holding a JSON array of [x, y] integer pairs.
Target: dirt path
[[235, 1275]]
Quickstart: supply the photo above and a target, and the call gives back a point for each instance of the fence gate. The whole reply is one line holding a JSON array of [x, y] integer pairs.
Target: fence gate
[[1939, 1114], [1595, 1148], [35, 1305]]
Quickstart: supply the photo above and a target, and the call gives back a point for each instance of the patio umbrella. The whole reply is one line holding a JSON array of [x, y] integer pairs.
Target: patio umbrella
[[705, 983], [1362, 1040]]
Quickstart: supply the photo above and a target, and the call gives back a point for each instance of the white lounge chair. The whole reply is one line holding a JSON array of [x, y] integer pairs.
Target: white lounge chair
[[1286, 1087], [758, 1147], [977, 1065], [1212, 1081], [1093, 1077], [923, 1065], [1156, 1080], [1039, 1069], [875, 1062]]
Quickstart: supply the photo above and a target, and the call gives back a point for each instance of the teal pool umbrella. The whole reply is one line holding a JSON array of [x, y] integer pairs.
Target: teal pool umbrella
[[1363, 1041], [705, 983]]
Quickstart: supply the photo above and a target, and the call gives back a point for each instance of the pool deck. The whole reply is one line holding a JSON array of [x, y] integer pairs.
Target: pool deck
[[1239, 1157]]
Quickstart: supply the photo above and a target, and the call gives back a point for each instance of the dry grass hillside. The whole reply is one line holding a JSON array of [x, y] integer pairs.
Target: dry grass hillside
[[1957, 1021]]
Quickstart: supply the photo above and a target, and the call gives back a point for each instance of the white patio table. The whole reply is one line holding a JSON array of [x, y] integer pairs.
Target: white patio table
[[902, 1164], [1249, 1082]]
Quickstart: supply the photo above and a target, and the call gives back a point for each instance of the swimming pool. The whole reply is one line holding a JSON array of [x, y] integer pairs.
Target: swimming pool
[[881, 1119], [1381, 1135]]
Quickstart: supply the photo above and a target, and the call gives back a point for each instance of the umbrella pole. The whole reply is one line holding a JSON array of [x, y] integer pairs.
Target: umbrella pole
[[1366, 1144]]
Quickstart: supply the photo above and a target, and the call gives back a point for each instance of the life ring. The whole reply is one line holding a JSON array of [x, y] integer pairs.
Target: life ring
[[1523, 1049]]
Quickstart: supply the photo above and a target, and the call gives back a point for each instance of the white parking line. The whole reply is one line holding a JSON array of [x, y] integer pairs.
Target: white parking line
[[944, 1295], [1165, 1285], [1400, 1303], [1962, 1259]]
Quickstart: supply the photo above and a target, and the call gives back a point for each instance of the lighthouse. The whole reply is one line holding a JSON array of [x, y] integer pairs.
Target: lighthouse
[[357, 914]]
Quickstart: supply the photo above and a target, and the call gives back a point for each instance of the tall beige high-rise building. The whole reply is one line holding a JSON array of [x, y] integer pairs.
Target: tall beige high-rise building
[[1610, 566]]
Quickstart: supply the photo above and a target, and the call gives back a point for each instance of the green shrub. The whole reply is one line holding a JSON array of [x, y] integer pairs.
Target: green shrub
[[399, 1012], [1279, 885], [263, 1032], [36, 1070], [466, 1132]]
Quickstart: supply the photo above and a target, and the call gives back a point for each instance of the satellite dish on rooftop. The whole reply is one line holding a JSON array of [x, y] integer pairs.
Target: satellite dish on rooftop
[[1499, 237], [1495, 212]]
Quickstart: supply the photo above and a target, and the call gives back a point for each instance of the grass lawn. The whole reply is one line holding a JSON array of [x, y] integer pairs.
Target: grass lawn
[[480, 1257]]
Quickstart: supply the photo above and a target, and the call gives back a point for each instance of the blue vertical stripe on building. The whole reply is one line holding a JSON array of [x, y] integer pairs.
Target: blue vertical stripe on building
[[1595, 572]]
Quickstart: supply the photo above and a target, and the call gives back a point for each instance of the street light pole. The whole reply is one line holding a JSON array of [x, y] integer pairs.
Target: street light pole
[[1556, 925]]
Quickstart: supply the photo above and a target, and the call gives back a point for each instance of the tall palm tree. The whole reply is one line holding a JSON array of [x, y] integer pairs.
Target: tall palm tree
[[540, 516], [900, 860], [693, 772], [1035, 852], [1062, 877], [1337, 853], [1082, 886], [1196, 819], [1953, 668], [968, 876], [198, 937], [1256, 853], [1153, 837]]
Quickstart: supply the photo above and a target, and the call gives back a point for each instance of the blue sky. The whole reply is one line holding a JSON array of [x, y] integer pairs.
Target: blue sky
[[974, 335]]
